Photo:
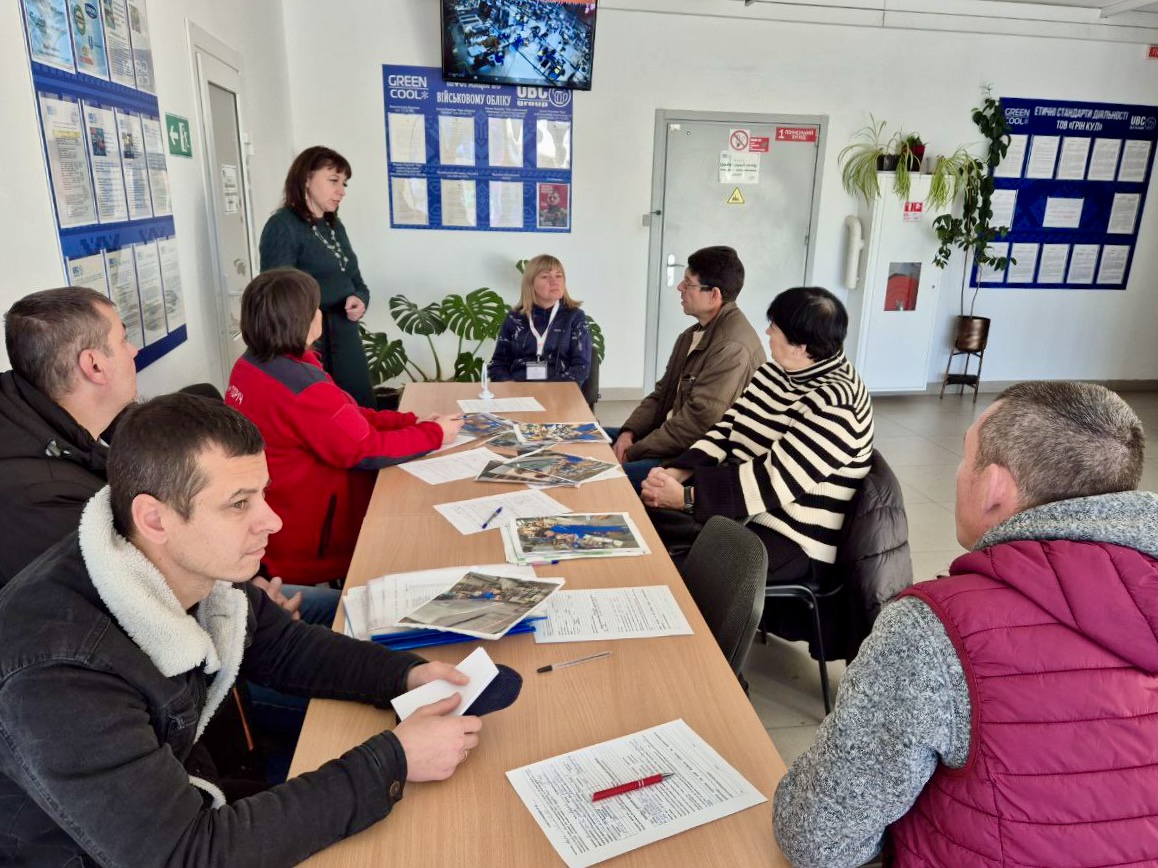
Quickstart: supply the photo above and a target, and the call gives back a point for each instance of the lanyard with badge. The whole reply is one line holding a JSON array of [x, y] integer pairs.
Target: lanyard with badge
[[537, 370]]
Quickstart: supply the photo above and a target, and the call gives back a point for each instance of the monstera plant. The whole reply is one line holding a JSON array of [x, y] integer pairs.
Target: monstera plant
[[474, 318]]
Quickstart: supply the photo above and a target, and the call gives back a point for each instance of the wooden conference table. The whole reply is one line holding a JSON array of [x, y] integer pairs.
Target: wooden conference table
[[475, 818]]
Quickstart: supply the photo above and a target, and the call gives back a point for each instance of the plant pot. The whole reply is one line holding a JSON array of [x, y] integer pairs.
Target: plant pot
[[916, 157], [887, 163], [388, 397], [971, 334]]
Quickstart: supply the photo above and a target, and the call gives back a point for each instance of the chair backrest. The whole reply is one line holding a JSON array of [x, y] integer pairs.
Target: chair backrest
[[590, 387], [725, 572]]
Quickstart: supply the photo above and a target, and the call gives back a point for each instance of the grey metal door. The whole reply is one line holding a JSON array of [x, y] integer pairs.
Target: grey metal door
[[748, 181]]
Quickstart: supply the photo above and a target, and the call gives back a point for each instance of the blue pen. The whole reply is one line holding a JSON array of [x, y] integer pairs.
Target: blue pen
[[492, 517]]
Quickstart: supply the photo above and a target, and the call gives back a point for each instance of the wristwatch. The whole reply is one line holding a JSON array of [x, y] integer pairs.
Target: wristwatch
[[689, 498]]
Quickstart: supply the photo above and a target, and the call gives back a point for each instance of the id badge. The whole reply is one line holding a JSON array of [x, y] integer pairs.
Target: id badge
[[536, 371]]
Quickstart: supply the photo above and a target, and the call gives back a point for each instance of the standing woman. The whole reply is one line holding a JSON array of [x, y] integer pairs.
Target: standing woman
[[545, 336], [305, 233]]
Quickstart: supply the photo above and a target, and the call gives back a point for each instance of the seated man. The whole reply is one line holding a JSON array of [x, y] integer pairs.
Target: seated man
[[709, 367], [790, 453], [123, 640], [1007, 714]]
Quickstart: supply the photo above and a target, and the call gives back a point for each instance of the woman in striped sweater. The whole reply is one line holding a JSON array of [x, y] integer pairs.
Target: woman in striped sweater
[[790, 453]]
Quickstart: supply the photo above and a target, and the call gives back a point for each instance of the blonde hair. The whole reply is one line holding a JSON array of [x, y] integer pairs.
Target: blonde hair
[[533, 268]]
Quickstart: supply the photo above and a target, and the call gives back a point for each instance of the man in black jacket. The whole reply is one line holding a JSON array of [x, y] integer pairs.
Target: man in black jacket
[[72, 374], [122, 641]]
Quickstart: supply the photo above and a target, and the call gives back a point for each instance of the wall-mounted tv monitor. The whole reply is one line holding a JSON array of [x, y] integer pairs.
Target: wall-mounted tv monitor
[[539, 43]]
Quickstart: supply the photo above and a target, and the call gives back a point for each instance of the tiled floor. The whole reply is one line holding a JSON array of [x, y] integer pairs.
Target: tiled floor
[[921, 437]]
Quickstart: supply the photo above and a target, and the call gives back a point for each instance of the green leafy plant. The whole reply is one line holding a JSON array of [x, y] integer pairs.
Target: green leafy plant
[[860, 159], [971, 232], [910, 151]]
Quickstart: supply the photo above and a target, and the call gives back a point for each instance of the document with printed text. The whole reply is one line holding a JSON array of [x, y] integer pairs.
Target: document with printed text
[[611, 613]]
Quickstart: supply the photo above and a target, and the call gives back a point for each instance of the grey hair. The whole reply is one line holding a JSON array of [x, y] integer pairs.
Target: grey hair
[[1062, 440]]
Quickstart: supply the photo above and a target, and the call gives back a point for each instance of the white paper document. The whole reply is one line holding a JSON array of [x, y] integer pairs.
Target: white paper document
[[390, 597], [89, 271], [65, 143], [1074, 153], [117, 42], [460, 439], [552, 144], [477, 666], [104, 146], [1053, 263], [1124, 213], [506, 204], [1010, 165], [1113, 265], [171, 281], [502, 405], [703, 788], [142, 46], [408, 196], [611, 613], [449, 468], [739, 168], [505, 142], [407, 137], [135, 168], [987, 273], [48, 35], [1135, 156], [123, 287], [152, 293], [154, 141], [1042, 156], [1104, 162], [1004, 203], [459, 207], [468, 516], [1023, 270], [1082, 262], [88, 39], [456, 140], [1062, 213]]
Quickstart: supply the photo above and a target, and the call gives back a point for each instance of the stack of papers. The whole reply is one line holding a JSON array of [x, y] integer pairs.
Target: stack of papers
[[560, 432], [545, 468], [509, 442], [450, 468], [501, 405], [485, 605], [552, 538]]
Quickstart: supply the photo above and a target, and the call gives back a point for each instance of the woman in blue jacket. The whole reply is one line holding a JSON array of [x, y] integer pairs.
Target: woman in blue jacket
[[545, 336]]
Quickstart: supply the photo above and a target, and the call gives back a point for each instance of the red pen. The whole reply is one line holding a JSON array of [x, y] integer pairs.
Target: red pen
[[627, 788]]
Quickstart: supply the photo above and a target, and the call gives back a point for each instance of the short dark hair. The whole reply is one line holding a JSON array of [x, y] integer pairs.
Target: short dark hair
[[811, 317], [308, 161], [158, 447], [1062, 440], [720, 267], [277, 309], [46, 331]]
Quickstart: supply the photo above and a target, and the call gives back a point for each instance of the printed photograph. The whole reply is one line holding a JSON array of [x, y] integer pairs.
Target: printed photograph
[[485, 424], [560, 432], [554, 206], [483, 604], [577, 534]]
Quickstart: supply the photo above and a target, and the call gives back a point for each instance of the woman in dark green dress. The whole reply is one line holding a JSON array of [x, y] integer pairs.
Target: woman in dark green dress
[[306, 233]]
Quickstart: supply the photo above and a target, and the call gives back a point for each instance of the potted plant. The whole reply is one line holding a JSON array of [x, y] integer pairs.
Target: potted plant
[[910, 152], [971, 232], [868, 153]]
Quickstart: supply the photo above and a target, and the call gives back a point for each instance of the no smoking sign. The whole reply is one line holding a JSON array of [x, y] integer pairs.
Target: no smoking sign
[[739, 140]]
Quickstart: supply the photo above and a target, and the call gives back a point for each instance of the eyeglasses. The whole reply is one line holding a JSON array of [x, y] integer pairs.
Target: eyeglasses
[[686, 284]]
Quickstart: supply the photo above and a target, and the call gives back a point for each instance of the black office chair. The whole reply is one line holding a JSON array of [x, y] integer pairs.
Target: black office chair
[[590, 387], [873, 565], [725, 573]]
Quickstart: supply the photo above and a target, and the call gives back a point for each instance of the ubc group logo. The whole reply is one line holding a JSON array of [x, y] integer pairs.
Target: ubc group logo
[[560, 98]]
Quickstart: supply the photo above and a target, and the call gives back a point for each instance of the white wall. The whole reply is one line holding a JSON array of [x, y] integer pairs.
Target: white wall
[[31, 251]]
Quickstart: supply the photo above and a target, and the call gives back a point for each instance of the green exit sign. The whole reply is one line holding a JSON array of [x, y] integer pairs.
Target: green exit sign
[[177, 132]]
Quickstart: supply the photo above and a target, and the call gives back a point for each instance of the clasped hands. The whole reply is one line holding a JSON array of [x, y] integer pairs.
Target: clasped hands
[[664, 487]]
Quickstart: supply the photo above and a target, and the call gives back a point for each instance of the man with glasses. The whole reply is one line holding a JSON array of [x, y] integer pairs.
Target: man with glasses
[[709, 367]]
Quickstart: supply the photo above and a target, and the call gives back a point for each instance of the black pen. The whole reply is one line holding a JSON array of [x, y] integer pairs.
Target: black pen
[[553, 666]]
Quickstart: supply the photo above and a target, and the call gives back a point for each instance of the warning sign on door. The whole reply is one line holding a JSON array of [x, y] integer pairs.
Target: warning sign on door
[[758, 144], [914, 211], [739, 168], [796, 134], [737, 198], [738, 139]]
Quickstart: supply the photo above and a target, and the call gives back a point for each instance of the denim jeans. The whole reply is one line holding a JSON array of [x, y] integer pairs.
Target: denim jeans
[[636, 470]]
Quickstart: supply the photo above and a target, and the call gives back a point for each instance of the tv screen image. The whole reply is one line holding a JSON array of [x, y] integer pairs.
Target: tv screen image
[[539, 43]]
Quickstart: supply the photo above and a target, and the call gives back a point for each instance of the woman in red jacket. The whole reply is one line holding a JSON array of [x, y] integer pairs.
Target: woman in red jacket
[[319, 443]]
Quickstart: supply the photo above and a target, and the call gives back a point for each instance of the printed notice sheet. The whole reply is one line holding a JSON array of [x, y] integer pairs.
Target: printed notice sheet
[[1053, 263], [1082, 263], [1113, 266], [48, 35], [411, 206], [1042, 156], [1104, 163], [1074, 153], [987, 273], [152, 293], [135, 169], [611, 613], [171, 281], [552, 144], [502, 405], [449, 468], [142, 46], [505, 142], [703, 788], [104, 146], [1023, 269], [117, 42], [507, 204], [154, 142], [89, 271], [88, 39], [67, 162], [468, 516], [1135, 155], [1124, 213], [1062, 213], [1003, 202], [407, 137], [123, 286], [455, 140], [458, 202]]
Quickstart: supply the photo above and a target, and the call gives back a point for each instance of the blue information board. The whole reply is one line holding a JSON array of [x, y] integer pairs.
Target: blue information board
[[1072, 188], [481, 157]]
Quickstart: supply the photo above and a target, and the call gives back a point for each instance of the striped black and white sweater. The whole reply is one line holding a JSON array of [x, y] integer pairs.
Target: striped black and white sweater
[[789, 454]]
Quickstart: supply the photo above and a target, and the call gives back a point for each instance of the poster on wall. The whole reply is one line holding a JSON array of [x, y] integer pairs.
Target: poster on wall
[[92, 69], [1072, 188], [476, 156]]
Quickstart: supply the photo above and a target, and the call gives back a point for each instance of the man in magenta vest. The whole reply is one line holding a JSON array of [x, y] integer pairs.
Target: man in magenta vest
[[1007, 714]]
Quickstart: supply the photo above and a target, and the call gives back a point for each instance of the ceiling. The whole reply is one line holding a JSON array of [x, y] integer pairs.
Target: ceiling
[[1109, 7]]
